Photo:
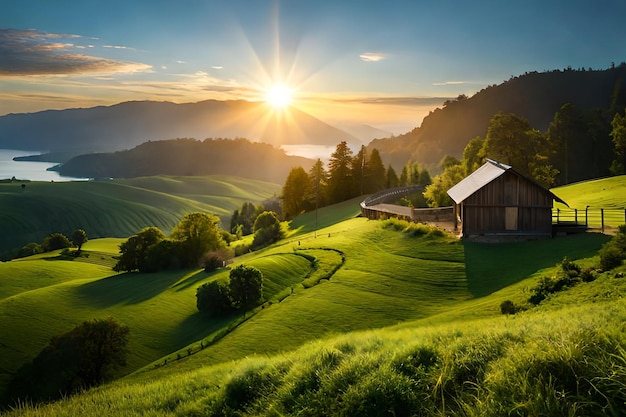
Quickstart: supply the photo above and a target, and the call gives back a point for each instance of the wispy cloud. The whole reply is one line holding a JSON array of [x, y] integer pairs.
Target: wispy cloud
[[217, 67], [31, 52], [372, 57], [118, 47], [449, 83]]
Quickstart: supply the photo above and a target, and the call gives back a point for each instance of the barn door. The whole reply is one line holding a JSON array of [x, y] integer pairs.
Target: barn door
[[510, 222]]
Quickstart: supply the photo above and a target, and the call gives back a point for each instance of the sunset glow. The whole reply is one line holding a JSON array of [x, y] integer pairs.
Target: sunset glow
[[279, 96], [374, 64]]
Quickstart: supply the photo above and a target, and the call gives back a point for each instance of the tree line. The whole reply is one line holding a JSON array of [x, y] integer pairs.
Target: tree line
[[54, 241], [346, 176], [574, 147]]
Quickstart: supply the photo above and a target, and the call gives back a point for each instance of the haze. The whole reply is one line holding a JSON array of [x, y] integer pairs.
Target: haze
[[385, 64]]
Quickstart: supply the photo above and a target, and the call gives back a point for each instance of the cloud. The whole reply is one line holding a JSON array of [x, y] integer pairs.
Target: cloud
[[449, 83], [400, 101], [31, 52], [372, 57], [217, 67]]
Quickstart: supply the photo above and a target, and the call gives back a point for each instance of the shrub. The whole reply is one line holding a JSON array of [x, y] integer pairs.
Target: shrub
[[610, 257], [267, 229], [613, 252], [55, 241], [216, 259], [83, 357], [588, 275], [246, 286], [29, 249], [508, 307], [213, 298]]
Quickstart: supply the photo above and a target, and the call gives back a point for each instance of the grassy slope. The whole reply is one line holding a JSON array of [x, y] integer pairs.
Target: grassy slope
[[117, 208], [603, 193], [546, 361], [387, 277]]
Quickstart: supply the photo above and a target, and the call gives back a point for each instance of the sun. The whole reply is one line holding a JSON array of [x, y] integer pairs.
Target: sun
[[279, 96]]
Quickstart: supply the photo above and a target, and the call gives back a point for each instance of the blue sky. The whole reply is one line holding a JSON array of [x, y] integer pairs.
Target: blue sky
[[384, 63]]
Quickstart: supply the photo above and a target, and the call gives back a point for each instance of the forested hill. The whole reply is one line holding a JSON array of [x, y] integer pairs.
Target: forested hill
[[534, 96], [189, 157]]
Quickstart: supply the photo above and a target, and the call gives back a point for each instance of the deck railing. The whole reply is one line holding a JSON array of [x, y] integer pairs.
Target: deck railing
[[590, 217]]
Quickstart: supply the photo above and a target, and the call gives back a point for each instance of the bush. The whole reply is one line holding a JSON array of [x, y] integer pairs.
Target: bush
[[613, 252], [508, 307], [246, 286], [216, 259], [55, 241], [610, 257], [213, 298], [267, 229], [81, 358]]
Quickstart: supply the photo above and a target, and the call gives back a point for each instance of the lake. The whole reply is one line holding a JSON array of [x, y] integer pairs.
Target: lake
[[33, 171]]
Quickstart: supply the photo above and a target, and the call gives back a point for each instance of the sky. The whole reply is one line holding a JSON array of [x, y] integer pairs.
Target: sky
[[380, 63]]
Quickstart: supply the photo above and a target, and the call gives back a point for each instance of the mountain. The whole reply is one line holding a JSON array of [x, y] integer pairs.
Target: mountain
[[534, 96], [189, 157], [363, 132], [128, 124]]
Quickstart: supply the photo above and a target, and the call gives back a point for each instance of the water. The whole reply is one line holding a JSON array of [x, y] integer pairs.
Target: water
[[33, 171]]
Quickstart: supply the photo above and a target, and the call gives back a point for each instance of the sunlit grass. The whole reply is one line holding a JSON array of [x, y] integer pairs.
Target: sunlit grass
[[565, 361]]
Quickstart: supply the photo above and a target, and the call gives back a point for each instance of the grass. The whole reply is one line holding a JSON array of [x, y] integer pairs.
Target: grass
[[362, 318], [605, 193], [118, 208], [564, 358]]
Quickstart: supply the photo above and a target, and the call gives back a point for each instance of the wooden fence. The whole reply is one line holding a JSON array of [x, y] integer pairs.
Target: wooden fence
[[590, 217]]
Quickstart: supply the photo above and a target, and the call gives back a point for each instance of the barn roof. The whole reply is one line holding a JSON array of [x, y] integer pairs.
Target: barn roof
[[483, 176]]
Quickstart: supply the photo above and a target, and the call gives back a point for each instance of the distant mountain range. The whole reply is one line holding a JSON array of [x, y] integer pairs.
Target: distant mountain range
[[128, 124], [534, 96], [445, 131]]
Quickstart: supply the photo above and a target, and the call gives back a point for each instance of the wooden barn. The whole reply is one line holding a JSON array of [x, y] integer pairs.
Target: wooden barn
[[496, 200]]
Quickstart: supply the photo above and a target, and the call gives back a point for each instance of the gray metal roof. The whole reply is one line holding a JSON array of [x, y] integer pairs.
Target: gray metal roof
[[481, 177], [477, 180]]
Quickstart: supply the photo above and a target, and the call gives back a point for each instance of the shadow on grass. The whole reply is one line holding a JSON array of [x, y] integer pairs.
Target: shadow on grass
[[128, 288], [493, 266], [195, 278]]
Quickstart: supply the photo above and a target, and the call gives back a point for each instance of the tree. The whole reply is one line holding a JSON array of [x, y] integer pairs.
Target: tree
[[569, 143], [29, 249], [392, 180], [198, 234], [359, 168], [267, 229], [295, 192], [618, 134], [472, 156], [376, 174], [134, 252], [245, 218], [55, 241], [79, 238], [511, 140], [437, 192], [318, 182], [246, 286], [340, 174], [213, 298], [84, 357]]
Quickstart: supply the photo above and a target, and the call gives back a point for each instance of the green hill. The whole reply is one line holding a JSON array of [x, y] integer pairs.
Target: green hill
[[118, 208], [397, 319]]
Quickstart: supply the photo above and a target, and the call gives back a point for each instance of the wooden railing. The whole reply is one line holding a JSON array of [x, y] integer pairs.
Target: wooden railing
[[590, 217]]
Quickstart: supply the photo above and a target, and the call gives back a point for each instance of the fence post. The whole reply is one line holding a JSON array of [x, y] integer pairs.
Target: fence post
[[558, 212], [576, 216], [602, 215], [587, 217]]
